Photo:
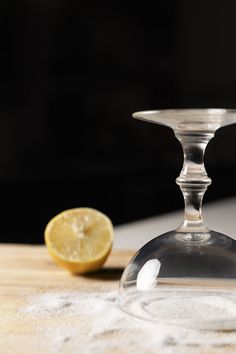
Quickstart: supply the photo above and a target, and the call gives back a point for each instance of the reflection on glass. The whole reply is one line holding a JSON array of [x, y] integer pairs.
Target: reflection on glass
[[147, 276]]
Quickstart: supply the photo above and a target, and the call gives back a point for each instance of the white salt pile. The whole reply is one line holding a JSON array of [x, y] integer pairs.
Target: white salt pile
[[80, 322], [202, 309]]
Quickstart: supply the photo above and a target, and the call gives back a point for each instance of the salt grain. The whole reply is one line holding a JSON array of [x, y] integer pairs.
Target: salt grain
[[93, 322]]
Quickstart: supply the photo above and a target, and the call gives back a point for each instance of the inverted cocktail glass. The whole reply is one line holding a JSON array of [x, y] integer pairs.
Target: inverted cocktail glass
[[192, 264]]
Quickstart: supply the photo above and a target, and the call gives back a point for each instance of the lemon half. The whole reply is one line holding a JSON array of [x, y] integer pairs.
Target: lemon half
[[79, 239]]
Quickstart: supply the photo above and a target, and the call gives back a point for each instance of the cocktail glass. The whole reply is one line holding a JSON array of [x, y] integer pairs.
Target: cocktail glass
[[188, 266]]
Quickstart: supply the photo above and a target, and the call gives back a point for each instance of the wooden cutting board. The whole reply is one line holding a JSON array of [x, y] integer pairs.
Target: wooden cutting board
[[28, 270], [29, 267]]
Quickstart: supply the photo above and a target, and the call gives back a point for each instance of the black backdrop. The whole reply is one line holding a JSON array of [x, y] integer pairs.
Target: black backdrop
[[72, 73]]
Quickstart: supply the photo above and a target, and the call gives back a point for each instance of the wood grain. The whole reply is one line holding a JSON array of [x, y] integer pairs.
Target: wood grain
[[29, 270]]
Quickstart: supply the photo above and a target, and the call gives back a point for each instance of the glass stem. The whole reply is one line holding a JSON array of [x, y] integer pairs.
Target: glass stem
[[193, 179]]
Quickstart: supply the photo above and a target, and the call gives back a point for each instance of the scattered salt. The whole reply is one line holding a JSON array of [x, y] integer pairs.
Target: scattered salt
[[93, 322]]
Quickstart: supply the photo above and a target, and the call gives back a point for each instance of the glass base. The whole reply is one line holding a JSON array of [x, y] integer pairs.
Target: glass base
[[183, 279]]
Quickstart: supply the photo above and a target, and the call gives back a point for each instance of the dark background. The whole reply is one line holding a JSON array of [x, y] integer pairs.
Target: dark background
[[72, 73]]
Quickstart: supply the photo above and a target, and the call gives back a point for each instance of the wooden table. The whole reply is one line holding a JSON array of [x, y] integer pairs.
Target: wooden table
[[28, 270]]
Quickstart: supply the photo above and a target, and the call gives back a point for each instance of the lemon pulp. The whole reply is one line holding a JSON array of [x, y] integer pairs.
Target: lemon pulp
[[79, 239]]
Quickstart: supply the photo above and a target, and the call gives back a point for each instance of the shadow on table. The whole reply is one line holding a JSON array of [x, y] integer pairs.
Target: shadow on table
[[105, 274]]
